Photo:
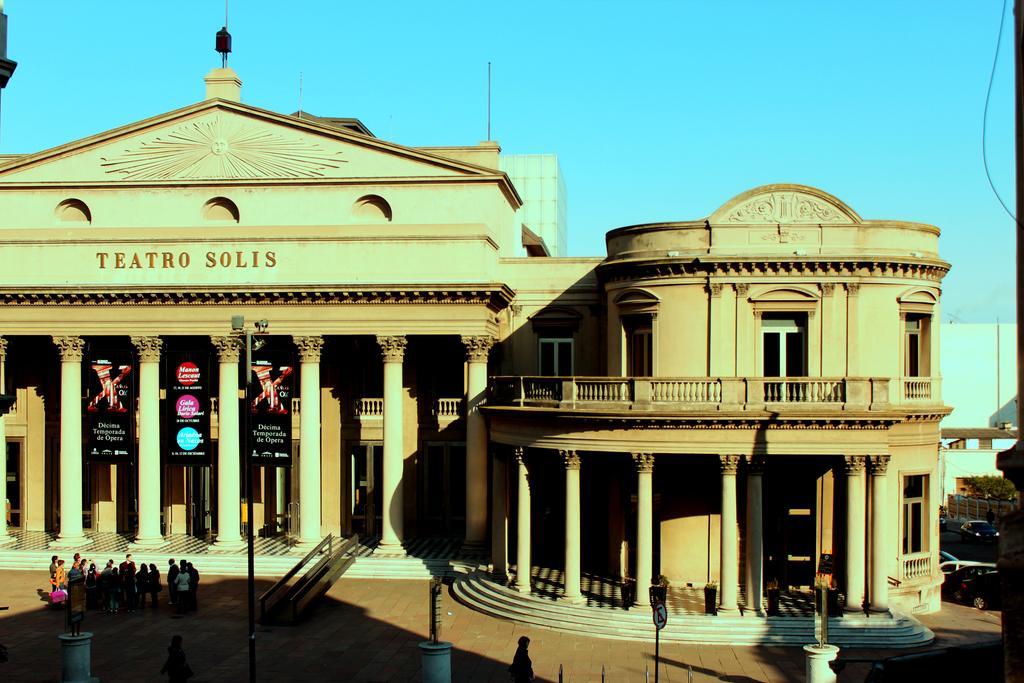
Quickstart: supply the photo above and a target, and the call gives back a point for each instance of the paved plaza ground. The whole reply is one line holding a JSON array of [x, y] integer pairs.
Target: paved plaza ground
[[368, 631]]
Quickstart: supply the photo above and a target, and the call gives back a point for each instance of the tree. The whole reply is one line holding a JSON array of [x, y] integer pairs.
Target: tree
[[991, 487]]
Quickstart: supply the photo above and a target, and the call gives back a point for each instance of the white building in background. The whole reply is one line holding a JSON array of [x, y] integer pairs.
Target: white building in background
[[539, 180], [979, 380]]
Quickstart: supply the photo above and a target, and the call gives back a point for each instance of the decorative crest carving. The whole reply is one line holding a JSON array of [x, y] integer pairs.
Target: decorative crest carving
[[477, 347], [70, 348], [149, 348], [879, 464], [854, 464], [570, 459], [392, 348], [309, 348], [228, 348], [644, 462], [784, 236], [785, 207], [730, 463], [223, 147]]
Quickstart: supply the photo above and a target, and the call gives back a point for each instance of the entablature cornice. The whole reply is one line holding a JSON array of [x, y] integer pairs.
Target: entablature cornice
[[495, 297], [820, 267]]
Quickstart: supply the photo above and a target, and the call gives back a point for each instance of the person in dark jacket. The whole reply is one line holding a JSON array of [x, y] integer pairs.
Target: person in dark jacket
[[193, 587], [522, 668], [142, 584], [154, 583], [172, 582], [92, 588], [176, 667]]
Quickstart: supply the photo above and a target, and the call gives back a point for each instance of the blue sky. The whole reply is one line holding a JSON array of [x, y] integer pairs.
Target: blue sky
[[658, 111]]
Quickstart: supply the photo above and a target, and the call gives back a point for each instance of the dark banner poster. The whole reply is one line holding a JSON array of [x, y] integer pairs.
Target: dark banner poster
[[110, 412], [270, 411], [188, 407]]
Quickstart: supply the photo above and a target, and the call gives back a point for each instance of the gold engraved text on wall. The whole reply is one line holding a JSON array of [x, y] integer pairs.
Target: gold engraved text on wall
[[223, 148]]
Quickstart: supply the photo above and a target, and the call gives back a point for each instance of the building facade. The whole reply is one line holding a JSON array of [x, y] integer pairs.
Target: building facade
[[723, 399]]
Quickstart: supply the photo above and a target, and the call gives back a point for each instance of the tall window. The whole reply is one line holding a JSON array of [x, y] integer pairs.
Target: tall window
[[555, 356], [915, 345], [914, 510], [639, 346], [784, 344]]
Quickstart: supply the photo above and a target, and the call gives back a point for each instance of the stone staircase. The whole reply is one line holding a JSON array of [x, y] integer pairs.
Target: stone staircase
[[891, 630]]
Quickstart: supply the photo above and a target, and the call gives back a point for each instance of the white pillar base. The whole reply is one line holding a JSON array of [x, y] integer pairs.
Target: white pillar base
[[227, 546], [148, 543], [818, 659], [7, 540], [70, 542], [573, 599]]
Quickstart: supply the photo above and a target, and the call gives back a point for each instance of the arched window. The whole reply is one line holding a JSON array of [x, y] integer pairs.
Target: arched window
[[638, 310], [73, 211], [221, 210], [372, 208]]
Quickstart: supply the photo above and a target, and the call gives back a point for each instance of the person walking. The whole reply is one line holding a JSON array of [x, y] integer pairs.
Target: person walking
[[53, 573], [193, 587], [126, 573], [176, 667], [522, 668], [172, 582], [142, 585], [113, 589], [104, 584], [61, 576], [154, 583], [92, 587], [182, 584]]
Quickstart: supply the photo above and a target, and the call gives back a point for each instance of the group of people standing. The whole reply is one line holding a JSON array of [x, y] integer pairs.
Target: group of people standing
[[126, 586]]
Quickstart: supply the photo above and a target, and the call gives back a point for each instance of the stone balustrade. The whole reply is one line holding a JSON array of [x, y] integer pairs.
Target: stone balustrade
[[711, 393], [916, 566]]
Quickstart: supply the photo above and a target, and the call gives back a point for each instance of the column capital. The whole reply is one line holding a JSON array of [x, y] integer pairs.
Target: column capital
[[714, 289], [755, 464], [149, 348], [309, 348], [392, 348], [742, 288], [854, 464], [570, 459], [729, 463], [228, 348], [644, 462], [70, 348], [519, 453], [3, 347], [477, 347], [879, 464], [828, 288], [852, 288]]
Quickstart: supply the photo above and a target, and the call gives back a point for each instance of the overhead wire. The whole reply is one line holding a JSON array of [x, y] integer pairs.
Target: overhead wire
[[984, 117]]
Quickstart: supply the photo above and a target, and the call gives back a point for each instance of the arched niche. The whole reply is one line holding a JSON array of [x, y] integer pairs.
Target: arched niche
[[73, 211], [372, 208], [220, 210]]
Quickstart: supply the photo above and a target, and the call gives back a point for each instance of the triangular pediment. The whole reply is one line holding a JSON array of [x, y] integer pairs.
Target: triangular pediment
[[220, 141]]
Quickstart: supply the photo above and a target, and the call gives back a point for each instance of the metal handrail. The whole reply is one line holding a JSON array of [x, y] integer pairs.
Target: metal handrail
[[283, 581]]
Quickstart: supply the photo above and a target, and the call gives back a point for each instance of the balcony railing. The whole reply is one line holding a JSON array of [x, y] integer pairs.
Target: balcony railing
[[720, 393], [368, 408], [917, 566], [917, 388], [448, 409]]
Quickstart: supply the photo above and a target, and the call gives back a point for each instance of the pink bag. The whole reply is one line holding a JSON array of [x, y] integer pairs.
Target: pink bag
[[58, 596]]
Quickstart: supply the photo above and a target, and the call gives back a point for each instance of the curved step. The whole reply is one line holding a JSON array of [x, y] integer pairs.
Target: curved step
[[494, 599]]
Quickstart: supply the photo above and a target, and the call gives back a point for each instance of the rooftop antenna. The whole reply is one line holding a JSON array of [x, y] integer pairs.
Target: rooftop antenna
[[300, 94], [488, 101], [223, 45]]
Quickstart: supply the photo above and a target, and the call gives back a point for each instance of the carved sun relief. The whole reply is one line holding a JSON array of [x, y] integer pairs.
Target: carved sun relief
[[223, 148], [786, 207]]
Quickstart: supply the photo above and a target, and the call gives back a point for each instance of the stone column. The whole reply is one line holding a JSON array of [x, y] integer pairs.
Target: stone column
[[755, 535], [728, 567], [71, 535], [5, 537], [855, 533], [499, 518], [644, 525], [477, 349], [309, 439], [572, 526], [149, 534], [393, 351], [229, 492], [523, 560], [880, 522]]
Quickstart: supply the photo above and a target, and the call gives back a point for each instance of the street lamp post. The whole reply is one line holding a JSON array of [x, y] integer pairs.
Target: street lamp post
[[259, 327]]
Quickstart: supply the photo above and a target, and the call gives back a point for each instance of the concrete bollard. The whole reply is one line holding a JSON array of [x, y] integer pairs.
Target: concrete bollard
[[436, 660], [818, 659], [76, 658]]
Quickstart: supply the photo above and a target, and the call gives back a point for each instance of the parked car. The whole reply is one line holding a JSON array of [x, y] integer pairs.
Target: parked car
[[967, 571], [983, 591], [978, 530]]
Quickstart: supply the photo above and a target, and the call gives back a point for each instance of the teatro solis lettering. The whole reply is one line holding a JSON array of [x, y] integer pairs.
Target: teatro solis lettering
[[166, 260]]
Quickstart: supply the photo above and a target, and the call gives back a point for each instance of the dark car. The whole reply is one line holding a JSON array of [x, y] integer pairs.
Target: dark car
[[953, 581], [978, 530], [983, 591]]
